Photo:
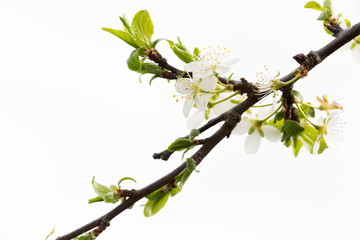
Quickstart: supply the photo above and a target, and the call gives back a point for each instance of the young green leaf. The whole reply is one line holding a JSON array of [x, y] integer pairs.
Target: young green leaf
[[154, 206], [86, 236], [150, 67], [124, 179], [125, 36], [297, 144], [314, 5], [133, 61], [194, 133], [51, 233], [180, 144], [324, 16], [190, 164], [308, 137], [109, 195], [143, 28], [126, 24], [328, 6], [347, 22], [298, 95], [174, 191], [99, 188], [181, 51], [292, 128]]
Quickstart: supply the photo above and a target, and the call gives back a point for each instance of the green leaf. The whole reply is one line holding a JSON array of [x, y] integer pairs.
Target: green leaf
[[180, 144], [152, 79], [326, 29], [126, 24], [292, 128], [353, 45], [109, 195], [51, 233], [125, 36], [298, 95], [99, 188], [323, 146], [155, 194], [279, 116], [133, 61], [124, 179], [194, 133], [324, 16], [308, 137], [174, 191], [150, 67], [314, 5], [328, 6], [181, 51], [310, 112], [154, 206], [190, 164], [154, 43], [347, 22], [85, 237], [143, 28], [297, 144]]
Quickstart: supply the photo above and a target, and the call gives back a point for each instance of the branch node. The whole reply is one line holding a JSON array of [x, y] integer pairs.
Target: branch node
[[103, 225]]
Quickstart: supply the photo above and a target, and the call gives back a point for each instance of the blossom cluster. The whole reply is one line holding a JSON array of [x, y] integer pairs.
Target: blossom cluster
[[200, 89]]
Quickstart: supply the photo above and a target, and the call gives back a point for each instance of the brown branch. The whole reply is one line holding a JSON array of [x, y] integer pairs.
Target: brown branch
[[230, 119]]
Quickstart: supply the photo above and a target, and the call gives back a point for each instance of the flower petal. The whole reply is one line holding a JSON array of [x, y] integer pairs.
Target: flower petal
[[223, 70], [205, 72], [252, 143], [188, 105], [271, 133], [229, 62], [193, 67], [242, 127], [201, 100], [208, 83]]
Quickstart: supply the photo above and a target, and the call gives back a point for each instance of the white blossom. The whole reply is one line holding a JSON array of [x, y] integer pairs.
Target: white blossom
[[194, 89], [212, 61], [332, 129], [256, 129], [196, 119]]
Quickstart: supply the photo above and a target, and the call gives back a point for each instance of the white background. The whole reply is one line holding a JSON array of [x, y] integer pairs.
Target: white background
[[70, 109]]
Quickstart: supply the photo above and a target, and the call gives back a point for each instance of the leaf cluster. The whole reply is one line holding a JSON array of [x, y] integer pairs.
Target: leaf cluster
[[158, 199], [327, 14]]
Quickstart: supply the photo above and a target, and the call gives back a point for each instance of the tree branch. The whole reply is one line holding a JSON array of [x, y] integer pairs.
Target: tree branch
[[230, 119]]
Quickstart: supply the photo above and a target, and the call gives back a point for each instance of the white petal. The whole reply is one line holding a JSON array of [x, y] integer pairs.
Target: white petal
[[223, 70], [271, 133], [252, 143], [195, 120], [187, 105], [205, 73], [229, 62], [316, 146], [201, 100], [193, 67], [242, 127], [208, 83]]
